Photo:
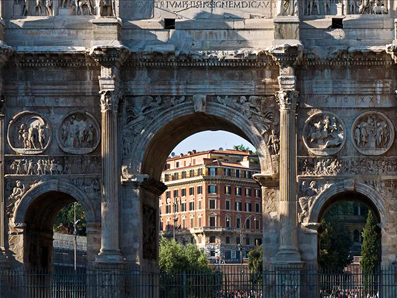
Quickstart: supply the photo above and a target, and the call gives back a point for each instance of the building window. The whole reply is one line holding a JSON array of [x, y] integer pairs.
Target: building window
[[177, 164], [257, 193], [212, 253], [168, 194], [199, 204], [200, 172], [227, 206], [237, 240], [238, 223], [237, 173], [247, 241], [167, 166], [212, 204], [227, 222], [212, 239], [199, 190], [167, 177], [213, 171], [199, 223], [191, 222], [258, 241], [212, 221], [238, 206], [356, 236], [183, 174], [183, 207], [228, 190], [176, 193], [191, 205], [228, 172], [212, 189], [183, 223], [176, 207], [238, 190], [175, 176], [227, 240], [191, 191], [248, 224], [257, 224], [167, 209], [257, 207], [248, 207], [183, 192], [191, 173], [248, 192]]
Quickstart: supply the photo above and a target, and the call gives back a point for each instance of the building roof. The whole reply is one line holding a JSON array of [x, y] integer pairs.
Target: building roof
[[213, 151]]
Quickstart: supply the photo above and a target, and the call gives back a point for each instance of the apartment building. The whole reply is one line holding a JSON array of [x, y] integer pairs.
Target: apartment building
[[213, 201]]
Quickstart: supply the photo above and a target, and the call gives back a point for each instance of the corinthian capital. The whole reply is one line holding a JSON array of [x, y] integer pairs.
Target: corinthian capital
[[287, 99], [109, 100]]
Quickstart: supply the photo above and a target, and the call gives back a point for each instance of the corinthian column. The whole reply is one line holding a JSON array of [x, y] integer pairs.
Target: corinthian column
[[110, 59], [288, 249]]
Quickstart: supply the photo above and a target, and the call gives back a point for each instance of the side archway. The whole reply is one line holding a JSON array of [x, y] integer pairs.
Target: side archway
[[34, 217]]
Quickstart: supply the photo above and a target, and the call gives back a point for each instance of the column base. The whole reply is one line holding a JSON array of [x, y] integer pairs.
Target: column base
[[288, 257], [109, 258]]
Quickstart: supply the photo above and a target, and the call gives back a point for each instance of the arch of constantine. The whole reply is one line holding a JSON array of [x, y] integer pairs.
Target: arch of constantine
[[96, 94]]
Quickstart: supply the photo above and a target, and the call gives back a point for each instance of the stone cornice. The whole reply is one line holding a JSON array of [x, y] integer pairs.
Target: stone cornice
[[109, 55], [211, 179], [287, 54]]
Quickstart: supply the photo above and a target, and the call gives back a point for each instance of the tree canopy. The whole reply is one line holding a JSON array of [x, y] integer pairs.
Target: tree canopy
[[335, 243], [173, 256], [370, 251], [255, 259], [64, 221]]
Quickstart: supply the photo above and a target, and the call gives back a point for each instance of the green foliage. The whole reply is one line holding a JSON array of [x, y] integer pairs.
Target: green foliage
[[241, 148], [173, 256], [255, 259], [371, 245], [64, 221], [335, 243]]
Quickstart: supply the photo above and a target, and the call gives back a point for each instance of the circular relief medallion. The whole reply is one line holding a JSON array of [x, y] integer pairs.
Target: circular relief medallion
[[79, 133], [324, 133], [372, 133], [29, 133]]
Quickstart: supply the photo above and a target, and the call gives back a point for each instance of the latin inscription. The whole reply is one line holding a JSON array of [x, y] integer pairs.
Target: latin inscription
[[211, 4]]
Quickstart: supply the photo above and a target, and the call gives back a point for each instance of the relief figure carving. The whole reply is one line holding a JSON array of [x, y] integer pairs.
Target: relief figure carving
[[308, 194], [324, 134], [79, 133], [29, 133], [372, 133], [15, 197]]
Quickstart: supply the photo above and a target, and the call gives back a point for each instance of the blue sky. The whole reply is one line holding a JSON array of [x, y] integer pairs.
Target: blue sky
[[207, 140]]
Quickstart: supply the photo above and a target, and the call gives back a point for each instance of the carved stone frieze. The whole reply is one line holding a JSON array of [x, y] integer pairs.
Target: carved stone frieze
[[386, 188], [90, 186], [79, 133], [269, 204], [15, 197], [347, 166], [372, 133], [54, 165], [287, 99], [324, 133], [29, 133], [308, 191]]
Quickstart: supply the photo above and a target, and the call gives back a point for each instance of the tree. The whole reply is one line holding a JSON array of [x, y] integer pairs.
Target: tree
[[335, 243], [255, 259], [173, 256], [65, 218], [370, 250], [241, 148]]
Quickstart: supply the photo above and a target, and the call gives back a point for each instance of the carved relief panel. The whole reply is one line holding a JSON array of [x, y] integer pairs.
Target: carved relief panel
[[79, 133], [372, 133], [29, 133], [324, 133]]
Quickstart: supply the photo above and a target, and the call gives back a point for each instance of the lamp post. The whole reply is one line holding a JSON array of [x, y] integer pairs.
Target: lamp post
[[240, 246]]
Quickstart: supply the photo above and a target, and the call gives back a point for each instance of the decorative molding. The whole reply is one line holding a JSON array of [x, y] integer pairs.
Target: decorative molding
[[287, 99]]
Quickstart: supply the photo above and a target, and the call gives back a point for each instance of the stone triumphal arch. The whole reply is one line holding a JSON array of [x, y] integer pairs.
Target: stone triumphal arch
[[94, 96]]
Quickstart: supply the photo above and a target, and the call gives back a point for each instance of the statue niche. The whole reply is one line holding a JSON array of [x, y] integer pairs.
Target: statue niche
[[79, 133], [324, 134]]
